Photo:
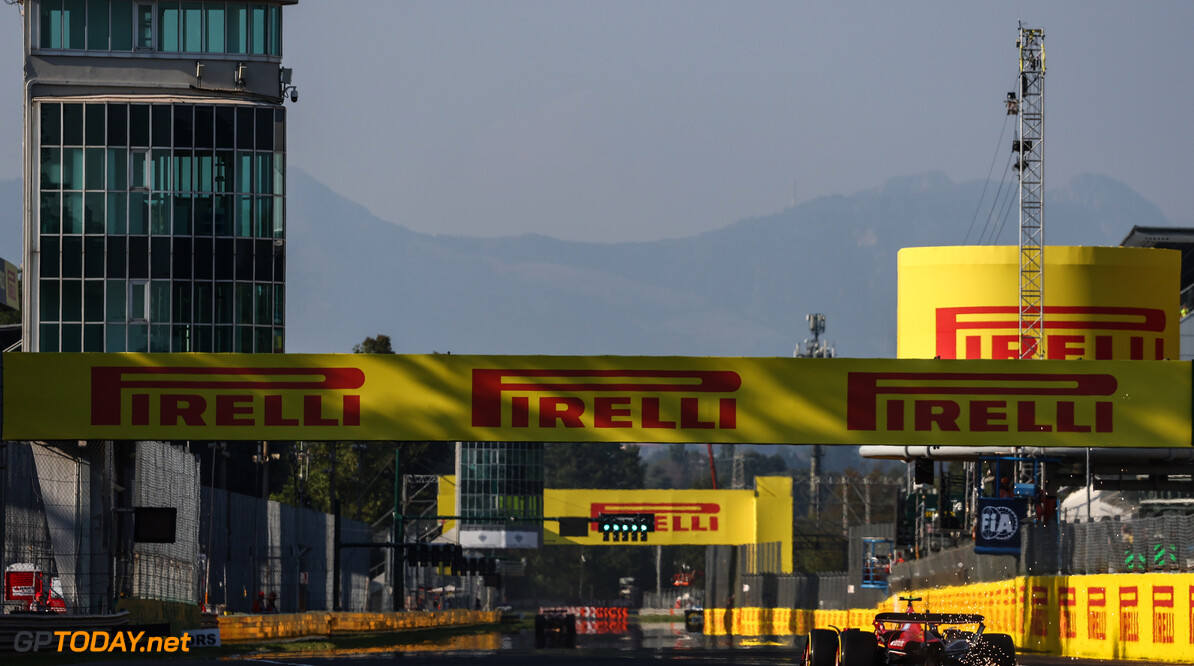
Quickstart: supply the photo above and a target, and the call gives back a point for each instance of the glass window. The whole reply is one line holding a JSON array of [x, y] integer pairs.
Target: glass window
[[138, 300], [48, 338], [72, 124], [244, 339], [182, 340], [118, 169], [114, 339], [93, 258], [160, 170], [72, 213], [223, 341], [264, 130], [244, 216], [222, 215], [279, 219], [263, 296], [138, 124], [182, 214], [117, 214], [265, 173], [244, 303], [184, 130], [138, 256], [214, 25], [118, 125], [203, 303], [159, 301], [51, 124], [204, 124], [51, 213], [203, 215], [224, 303], [48, 299], [139, 169], [72, 257], [168, 27], [51, 168], [192, 27], [49, 256], [258, 25], [159, 338], [159, 214], [94, 165], [265, 217], [184, 171], [122, 25], [244, 171], [74, 22], [238, 27], [94, 129], [159, 258], [93, 300], [97, 25], [264, 342], [93, 337], [181, 302], [50, 18], [225, 127], [203, 172], [72, 168], [116, 301], [117, 256], [72, 300], [72, 335], [138, 337], [279, 305], [162, 126], [245, 127], [138, 213], [145, 27], [279, 173], [93, 213], [275, 30]]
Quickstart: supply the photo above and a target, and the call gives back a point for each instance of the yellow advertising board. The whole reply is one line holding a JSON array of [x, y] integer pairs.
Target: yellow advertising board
[[1101, 303], [595, 398], [682, 517]]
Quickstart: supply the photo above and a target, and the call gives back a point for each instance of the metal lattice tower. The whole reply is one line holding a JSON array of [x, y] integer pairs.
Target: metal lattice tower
[[1030, 106], [815, 349]]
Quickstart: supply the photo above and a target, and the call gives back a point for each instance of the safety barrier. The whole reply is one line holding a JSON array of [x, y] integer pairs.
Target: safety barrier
[[1147, 617], [235, 628]]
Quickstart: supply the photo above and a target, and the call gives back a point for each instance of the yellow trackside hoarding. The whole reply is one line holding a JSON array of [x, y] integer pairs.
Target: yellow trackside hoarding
[[595, 398], [682, 517], [1101, 303]]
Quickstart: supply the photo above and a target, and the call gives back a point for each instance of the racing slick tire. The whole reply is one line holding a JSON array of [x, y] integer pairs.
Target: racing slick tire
[[859, 648], [1002, 649], [821, 648]]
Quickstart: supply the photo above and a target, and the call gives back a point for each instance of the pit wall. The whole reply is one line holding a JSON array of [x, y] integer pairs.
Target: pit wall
[[1148, 617], [235, 628]]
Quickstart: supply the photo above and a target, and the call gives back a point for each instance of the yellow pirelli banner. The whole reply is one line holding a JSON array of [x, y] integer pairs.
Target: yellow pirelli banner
[[596, 398], [682, 517], [1100, 303]]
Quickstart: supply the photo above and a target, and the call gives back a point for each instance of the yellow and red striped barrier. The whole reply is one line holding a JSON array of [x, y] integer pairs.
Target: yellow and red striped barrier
[[293, 625], [1147, 617]]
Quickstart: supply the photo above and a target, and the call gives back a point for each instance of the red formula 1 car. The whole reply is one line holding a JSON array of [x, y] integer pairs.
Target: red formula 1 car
[[931, 639]]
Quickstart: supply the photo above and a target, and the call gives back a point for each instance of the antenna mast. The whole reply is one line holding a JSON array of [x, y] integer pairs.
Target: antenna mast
[[1029, 105]]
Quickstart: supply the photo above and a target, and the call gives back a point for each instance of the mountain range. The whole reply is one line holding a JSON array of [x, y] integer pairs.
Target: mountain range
[[742, 290]]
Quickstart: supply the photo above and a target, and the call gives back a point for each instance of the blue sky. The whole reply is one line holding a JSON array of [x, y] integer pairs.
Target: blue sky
[[642, 120]]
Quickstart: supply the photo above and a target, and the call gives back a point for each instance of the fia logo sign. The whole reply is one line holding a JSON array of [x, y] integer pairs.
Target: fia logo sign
[[998, 523]]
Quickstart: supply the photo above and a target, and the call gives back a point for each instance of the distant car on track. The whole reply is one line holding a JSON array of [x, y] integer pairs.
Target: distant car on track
[[931, 639]]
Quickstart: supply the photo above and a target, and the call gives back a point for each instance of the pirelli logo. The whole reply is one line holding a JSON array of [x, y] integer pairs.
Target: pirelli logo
[[669, 516], [1086, 332], [214, 396], [639, 399], [979, 402]]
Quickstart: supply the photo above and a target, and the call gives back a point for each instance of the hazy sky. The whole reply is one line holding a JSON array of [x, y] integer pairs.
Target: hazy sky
[[619, 120]]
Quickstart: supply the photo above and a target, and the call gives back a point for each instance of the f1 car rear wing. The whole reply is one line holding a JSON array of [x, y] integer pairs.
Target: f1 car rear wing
[[929, 618]]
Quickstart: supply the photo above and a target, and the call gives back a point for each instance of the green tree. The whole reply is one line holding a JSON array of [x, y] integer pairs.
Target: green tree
[[378, 345]]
